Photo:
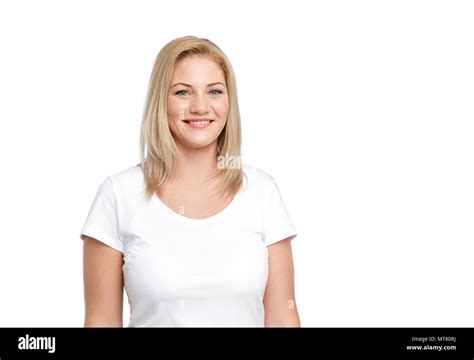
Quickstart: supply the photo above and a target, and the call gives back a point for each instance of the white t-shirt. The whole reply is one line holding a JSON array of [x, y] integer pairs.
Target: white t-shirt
[[186, 272]]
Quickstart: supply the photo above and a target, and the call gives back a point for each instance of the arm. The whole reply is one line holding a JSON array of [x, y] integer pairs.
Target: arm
[[103, 284], [279, 299]]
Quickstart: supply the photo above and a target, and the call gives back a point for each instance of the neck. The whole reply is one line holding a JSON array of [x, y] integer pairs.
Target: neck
[[194, 166]]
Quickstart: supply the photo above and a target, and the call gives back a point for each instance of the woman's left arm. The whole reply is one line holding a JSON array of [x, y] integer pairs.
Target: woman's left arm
[[279, 299]]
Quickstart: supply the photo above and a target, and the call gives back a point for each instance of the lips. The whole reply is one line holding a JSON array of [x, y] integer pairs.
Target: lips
[[193, 120], [198, 123]]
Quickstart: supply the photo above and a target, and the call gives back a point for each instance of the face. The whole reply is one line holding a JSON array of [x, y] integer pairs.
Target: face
[[198, 103]]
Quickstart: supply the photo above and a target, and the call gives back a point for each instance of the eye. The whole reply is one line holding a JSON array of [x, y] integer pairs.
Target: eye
[[182, 92], [216, 92]]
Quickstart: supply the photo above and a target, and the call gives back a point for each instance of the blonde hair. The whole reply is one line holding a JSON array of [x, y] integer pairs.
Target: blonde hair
[[157, 146]]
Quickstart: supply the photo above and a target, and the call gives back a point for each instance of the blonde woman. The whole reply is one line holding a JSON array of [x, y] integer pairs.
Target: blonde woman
[[196, 238]]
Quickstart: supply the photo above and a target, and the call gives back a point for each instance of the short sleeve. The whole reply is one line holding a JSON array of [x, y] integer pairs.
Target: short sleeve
[[102, 220], [277, 224]]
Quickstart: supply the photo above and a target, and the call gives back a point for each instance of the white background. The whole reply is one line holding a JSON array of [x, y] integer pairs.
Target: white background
[[362, 111]]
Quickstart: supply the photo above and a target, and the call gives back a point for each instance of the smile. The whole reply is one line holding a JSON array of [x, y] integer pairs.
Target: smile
[[198, 123]]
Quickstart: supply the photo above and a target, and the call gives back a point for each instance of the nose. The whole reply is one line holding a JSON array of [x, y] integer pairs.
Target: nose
[[198, 104]]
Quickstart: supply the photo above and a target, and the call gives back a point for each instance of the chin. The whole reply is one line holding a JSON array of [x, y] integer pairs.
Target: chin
[[198, 144]]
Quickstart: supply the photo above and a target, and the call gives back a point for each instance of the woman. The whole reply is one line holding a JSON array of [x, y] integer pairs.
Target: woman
[[195, 237]]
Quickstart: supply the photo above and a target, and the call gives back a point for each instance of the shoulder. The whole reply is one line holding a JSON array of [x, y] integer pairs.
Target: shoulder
[[127, 180], [258, 177], [127, 174]]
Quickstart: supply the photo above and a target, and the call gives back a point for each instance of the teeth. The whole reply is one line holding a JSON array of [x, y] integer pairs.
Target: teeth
[[199, 122]]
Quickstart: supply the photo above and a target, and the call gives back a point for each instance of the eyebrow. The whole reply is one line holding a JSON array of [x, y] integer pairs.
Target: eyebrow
[[211, 84]]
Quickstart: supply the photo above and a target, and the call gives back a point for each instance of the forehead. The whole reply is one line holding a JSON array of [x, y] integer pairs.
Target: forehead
[[198, 68]]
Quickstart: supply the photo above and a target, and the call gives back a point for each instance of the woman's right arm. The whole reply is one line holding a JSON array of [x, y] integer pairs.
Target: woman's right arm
[[103, 284]]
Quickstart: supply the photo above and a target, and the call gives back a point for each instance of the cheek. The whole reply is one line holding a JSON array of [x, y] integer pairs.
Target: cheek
[[222, 108], [174, 109]]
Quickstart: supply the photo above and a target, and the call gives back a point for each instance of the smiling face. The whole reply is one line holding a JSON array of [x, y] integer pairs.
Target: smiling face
[[198, 102]]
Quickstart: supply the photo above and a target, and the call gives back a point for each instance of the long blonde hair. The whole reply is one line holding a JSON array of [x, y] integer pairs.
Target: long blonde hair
[[157, 146]]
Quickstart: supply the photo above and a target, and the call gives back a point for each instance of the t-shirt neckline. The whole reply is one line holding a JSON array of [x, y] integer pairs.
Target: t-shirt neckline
[[212, 218], [207, 219]]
